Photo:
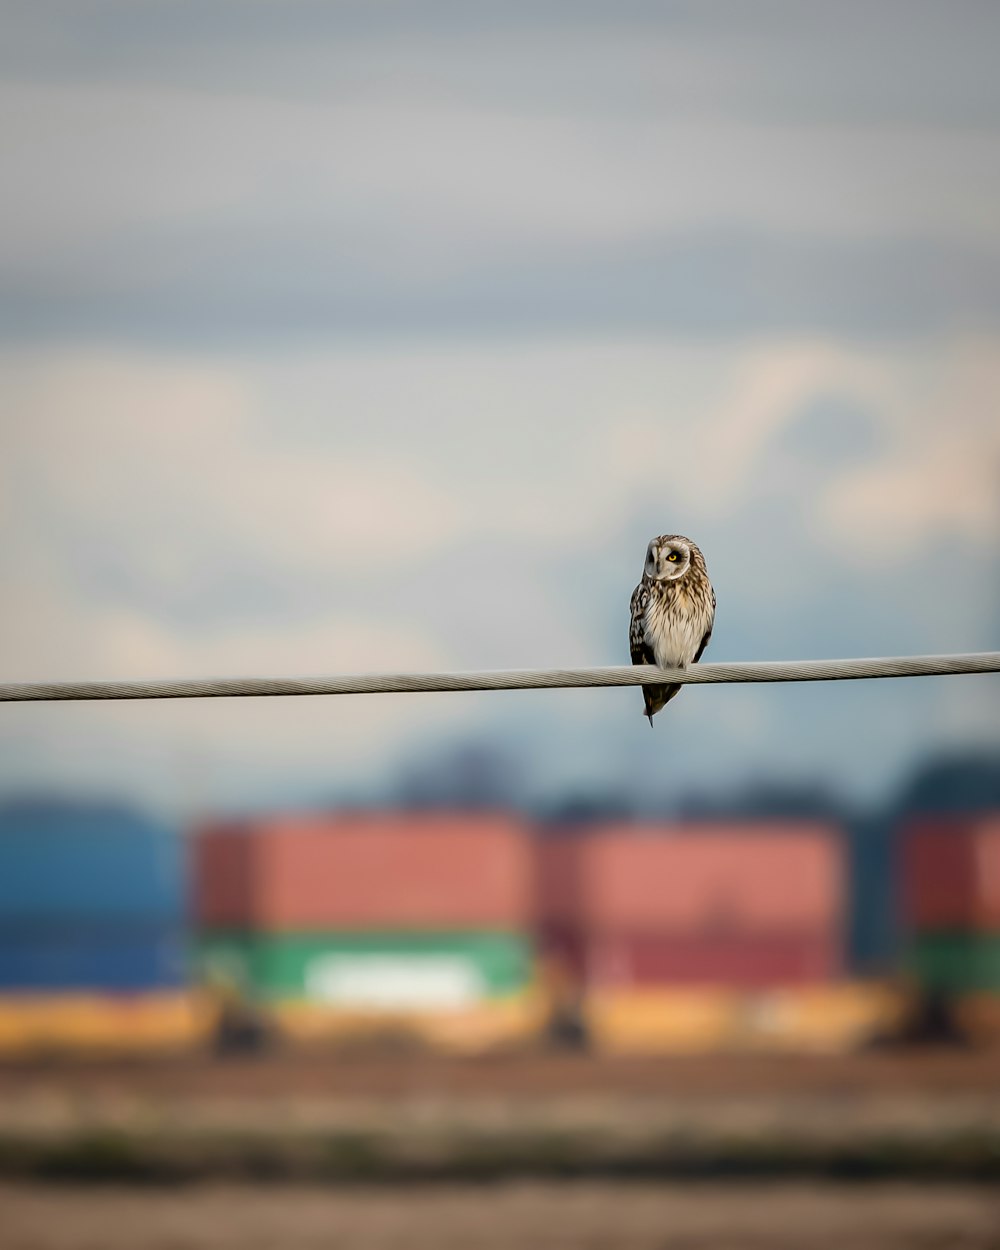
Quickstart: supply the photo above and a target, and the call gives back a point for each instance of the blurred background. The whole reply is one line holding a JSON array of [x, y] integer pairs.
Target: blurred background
[[343, 337]]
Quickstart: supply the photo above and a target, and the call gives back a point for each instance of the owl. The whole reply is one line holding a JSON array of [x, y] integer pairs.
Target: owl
[[673, 611]]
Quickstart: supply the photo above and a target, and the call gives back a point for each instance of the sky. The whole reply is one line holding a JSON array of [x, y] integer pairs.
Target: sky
[[343, 337]]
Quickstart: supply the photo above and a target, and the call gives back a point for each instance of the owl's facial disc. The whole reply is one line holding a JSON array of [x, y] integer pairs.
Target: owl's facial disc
[[667, 561]]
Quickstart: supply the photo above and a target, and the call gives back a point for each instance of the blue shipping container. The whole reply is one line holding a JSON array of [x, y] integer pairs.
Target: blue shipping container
[[73, 861], [123, 962]]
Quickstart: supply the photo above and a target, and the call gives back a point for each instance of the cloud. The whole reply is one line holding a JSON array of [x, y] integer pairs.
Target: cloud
[[782, 57], [357, 464], [237, 749], [938, 480], [282, 172], [366, 336], [476, 506], [159, 468]]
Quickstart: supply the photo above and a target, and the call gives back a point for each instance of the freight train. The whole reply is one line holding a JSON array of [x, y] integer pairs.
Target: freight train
[[466, 932]]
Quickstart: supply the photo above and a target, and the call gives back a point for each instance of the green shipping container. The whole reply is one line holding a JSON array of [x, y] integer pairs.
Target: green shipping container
[[961, 962], [387, 971]]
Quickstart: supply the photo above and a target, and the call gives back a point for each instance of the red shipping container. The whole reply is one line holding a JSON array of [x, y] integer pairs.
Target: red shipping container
[[700, 879], [951, 873], [379, 871], [738, 961], [760, 960]]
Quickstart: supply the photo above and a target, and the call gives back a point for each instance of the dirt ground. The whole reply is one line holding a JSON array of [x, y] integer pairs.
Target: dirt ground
[[421, 1119], [901, 1071], [407, 1102], [591, 1216]]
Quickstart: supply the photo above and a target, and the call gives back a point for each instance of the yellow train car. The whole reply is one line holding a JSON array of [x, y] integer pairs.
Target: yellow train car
[[496, 1024], [661, 1021], [833, 1019], [80, 1024], [822, 1019]]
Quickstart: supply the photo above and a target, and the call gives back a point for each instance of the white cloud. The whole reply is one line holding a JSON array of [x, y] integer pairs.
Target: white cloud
[[442, 503], [392, 175], [464, 507], [368, 462], [157, 457], [236, 747], [939, 476]]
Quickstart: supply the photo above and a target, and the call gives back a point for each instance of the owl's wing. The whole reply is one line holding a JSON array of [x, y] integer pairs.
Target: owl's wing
[[708, 634], [653, 697], [642, 653], [702, 645]]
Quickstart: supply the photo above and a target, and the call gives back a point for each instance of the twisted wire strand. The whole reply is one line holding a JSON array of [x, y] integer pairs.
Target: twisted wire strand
[[503, 679]]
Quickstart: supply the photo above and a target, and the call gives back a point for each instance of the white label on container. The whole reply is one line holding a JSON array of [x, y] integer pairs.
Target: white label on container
[[395, 982]]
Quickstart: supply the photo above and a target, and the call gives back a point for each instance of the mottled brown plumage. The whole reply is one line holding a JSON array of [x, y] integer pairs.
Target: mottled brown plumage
[[673, 611]]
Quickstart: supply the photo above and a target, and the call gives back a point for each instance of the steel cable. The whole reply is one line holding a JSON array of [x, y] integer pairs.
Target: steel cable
[[503, 679]]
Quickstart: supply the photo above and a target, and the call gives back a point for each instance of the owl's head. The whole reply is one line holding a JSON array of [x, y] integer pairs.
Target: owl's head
[[669, 557]]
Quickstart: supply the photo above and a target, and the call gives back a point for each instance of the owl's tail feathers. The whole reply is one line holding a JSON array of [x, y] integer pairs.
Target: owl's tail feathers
[[657, 697]]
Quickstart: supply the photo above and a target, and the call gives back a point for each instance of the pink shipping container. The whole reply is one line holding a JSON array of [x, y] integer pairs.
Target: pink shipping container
[[951, 873], [695, 879], [379, 871]]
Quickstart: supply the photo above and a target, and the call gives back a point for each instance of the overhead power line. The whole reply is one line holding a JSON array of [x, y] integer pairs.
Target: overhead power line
[[503, 679]]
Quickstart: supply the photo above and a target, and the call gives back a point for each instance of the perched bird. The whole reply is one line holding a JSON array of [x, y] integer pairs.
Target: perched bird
[[673, 610]]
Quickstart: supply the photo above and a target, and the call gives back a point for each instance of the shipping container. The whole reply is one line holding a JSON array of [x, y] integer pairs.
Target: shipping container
[[374, 971], [120, 959], [873, 926], [376, 871], [736, 960], [695, 878], [62, 861], [956, 962], [951, 873]]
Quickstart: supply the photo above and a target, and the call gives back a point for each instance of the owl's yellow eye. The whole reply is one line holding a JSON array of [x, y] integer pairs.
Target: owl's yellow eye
[[673, 557]]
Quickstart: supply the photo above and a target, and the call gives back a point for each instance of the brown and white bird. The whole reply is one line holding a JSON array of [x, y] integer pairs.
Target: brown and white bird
[[673, 611]]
